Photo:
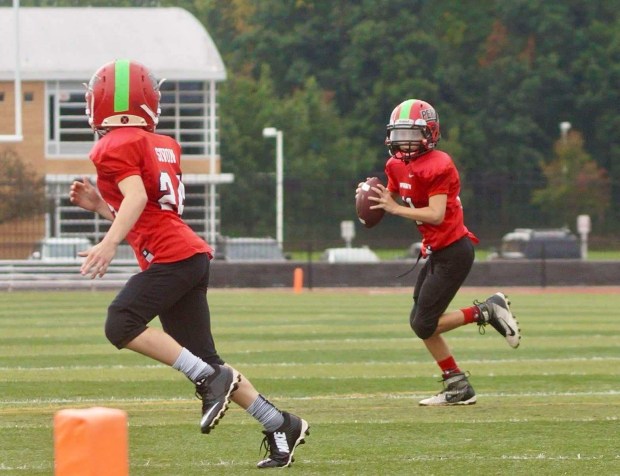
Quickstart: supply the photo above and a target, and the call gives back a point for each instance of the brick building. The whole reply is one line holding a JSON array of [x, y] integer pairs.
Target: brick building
[[59, 50]]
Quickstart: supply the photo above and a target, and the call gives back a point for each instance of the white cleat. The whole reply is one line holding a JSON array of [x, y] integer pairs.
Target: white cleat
[[457, 391], [496, 311]]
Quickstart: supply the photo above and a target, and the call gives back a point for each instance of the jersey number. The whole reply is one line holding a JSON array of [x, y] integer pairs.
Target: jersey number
[[171, 199], [408, 201]]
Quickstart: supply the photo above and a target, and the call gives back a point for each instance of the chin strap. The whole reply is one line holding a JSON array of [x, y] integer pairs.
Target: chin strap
[[400, 155]]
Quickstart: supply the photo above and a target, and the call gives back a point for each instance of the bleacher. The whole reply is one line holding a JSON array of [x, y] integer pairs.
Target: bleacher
[[32, 274]]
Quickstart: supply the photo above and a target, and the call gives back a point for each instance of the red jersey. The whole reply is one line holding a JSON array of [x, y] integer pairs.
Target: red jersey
[[159, 235], [430, 174]]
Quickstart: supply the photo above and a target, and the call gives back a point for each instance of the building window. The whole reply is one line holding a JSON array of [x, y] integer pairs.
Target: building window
[[1, 96], [28, 97], [67, 129], [186, 115]]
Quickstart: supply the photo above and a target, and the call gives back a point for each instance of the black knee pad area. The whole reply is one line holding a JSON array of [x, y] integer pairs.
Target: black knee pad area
[[422, 329], [122, 326]]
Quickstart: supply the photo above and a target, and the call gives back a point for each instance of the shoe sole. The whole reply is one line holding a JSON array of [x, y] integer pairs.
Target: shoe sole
[[516, 322], [469, 401], [305, 431], [233, 386]]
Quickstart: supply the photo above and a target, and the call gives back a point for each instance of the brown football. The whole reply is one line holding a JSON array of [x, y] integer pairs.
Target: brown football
[[368, 217]]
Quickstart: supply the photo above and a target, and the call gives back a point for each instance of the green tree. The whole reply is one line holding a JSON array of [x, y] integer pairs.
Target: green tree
[[575, 184], [246, 107], [322, 162], [22, 190], [502, 75]]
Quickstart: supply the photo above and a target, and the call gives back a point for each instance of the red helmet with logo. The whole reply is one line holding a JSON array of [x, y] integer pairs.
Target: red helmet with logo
[[122, 93], [413, 129]]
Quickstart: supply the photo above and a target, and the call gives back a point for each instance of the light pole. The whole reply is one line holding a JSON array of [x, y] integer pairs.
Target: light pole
[[564, 128], [17, 82], [267, 133]]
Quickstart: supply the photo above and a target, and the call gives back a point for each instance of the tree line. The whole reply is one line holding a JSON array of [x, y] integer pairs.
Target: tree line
[[502, 74]]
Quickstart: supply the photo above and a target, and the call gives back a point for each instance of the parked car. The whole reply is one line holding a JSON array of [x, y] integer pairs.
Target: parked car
[[528, 243], [60, 249], [350, 255], [248, 249]]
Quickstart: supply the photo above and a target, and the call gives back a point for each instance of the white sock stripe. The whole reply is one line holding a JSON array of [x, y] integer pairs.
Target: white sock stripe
[[266, 413]]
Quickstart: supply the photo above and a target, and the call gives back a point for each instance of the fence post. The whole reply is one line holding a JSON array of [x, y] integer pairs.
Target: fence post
[[310, 262]]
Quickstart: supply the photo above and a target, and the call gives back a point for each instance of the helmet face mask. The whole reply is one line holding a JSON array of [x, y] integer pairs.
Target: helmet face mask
[[407, 140], [413, 130], [122, 93]]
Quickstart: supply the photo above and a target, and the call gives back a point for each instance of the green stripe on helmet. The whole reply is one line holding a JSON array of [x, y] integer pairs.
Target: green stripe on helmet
[[121, 85], [405, 109]]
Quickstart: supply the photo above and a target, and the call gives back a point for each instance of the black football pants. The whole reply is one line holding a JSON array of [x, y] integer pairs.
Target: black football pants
[[177, 293], [438, 282]]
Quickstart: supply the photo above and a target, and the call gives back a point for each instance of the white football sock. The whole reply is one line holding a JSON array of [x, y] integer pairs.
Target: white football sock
[[194, 368], [268, 415]]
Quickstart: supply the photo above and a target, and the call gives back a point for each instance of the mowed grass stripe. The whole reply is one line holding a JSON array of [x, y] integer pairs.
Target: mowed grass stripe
[[286, 366], [352, 370]]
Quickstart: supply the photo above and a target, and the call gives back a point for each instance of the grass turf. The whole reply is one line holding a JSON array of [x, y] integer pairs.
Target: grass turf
[[346, 361]]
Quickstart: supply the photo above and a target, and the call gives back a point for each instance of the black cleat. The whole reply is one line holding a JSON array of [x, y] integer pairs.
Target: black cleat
[[281, 443], [215, 391]]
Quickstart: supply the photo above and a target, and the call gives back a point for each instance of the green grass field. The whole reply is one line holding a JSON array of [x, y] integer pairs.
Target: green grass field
[[346, 361]]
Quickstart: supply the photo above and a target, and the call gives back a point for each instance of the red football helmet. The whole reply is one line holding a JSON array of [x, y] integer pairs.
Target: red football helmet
[[122, 93], [413, 129]]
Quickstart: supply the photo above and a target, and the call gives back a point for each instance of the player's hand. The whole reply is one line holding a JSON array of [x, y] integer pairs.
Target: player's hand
[[98, 259], [384, 199], [84, 195]]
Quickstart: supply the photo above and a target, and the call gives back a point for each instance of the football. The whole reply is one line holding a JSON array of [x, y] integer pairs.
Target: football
[[368, 217]]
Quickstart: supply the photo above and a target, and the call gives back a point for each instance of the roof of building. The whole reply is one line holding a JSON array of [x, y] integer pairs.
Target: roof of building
[[72, 43]]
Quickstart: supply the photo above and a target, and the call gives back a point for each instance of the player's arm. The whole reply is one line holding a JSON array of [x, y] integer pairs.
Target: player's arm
[[134, 201], [433, 214], [84, 195], [99, 256]]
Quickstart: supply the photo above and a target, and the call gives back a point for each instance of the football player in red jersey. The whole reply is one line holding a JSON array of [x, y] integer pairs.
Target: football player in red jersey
[[139, 189], [423, 185]]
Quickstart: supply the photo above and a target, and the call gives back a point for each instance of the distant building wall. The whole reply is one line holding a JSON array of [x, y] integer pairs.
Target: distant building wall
[[17, 237], [31, 149], [56, 135]]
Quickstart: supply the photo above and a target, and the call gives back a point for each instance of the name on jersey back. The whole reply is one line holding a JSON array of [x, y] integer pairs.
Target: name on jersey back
[[165, 155]]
